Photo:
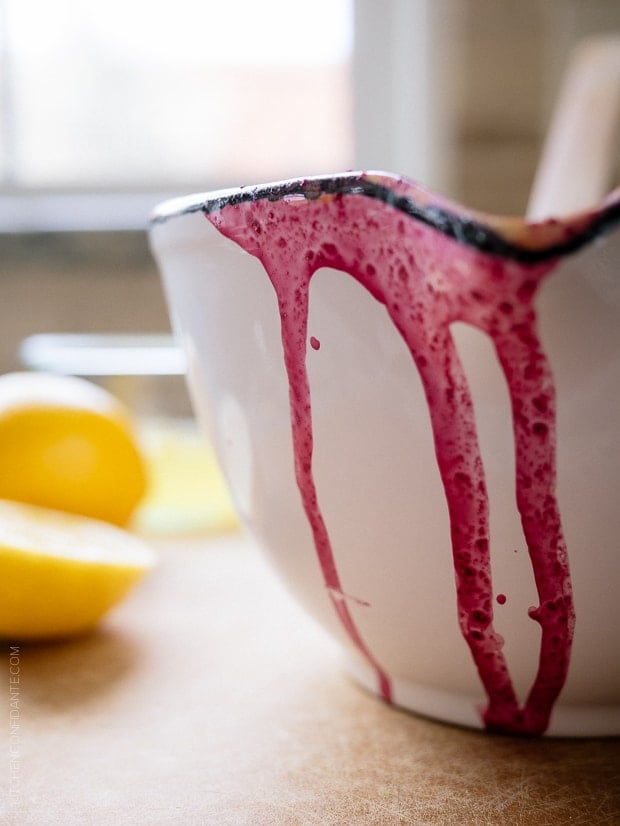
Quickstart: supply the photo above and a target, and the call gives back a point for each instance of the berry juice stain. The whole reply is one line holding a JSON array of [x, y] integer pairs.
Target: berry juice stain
[[430, 269]]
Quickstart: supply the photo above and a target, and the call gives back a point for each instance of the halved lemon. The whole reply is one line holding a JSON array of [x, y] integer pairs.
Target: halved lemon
[[68, 444], [60, 573]]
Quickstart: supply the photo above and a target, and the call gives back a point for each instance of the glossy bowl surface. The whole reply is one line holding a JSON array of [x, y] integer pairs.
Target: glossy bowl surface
[[303, 332]]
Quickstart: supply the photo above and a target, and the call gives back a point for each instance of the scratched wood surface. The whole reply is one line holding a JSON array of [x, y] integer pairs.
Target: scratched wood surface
[[207, 698]]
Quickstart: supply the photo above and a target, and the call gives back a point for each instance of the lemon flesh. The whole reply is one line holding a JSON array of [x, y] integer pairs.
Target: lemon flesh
[[68, 444], [60, 573]]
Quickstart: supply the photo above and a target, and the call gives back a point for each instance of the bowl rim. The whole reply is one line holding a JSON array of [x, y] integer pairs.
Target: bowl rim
[[506, 236]]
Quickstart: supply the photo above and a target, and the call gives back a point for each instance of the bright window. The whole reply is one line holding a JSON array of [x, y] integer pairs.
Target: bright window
[[130, 95]]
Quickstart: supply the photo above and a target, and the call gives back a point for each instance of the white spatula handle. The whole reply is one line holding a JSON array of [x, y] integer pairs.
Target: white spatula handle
[[582, 146]]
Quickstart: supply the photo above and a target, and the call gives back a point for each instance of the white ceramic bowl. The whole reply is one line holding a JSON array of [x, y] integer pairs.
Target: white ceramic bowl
[[406, 534]]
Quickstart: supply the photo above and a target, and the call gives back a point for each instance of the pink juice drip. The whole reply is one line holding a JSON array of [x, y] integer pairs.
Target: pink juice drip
[[427, 281]]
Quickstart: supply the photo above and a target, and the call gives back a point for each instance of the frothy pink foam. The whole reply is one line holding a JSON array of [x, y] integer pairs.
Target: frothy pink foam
[[427, 281]]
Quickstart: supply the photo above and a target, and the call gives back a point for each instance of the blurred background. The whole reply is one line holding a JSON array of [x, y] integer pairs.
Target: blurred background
[[107, 109]]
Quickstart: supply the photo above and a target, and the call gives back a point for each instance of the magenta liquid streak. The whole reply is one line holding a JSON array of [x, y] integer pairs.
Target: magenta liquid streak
[[427, 281]]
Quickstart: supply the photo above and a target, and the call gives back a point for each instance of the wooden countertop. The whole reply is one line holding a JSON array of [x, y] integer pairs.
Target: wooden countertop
[[208, 698]]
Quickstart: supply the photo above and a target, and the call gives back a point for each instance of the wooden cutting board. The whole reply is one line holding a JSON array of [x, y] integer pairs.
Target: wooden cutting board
[[208, 698]]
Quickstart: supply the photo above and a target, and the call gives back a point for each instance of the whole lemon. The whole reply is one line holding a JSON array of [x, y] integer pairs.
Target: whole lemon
[[68, 444]]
